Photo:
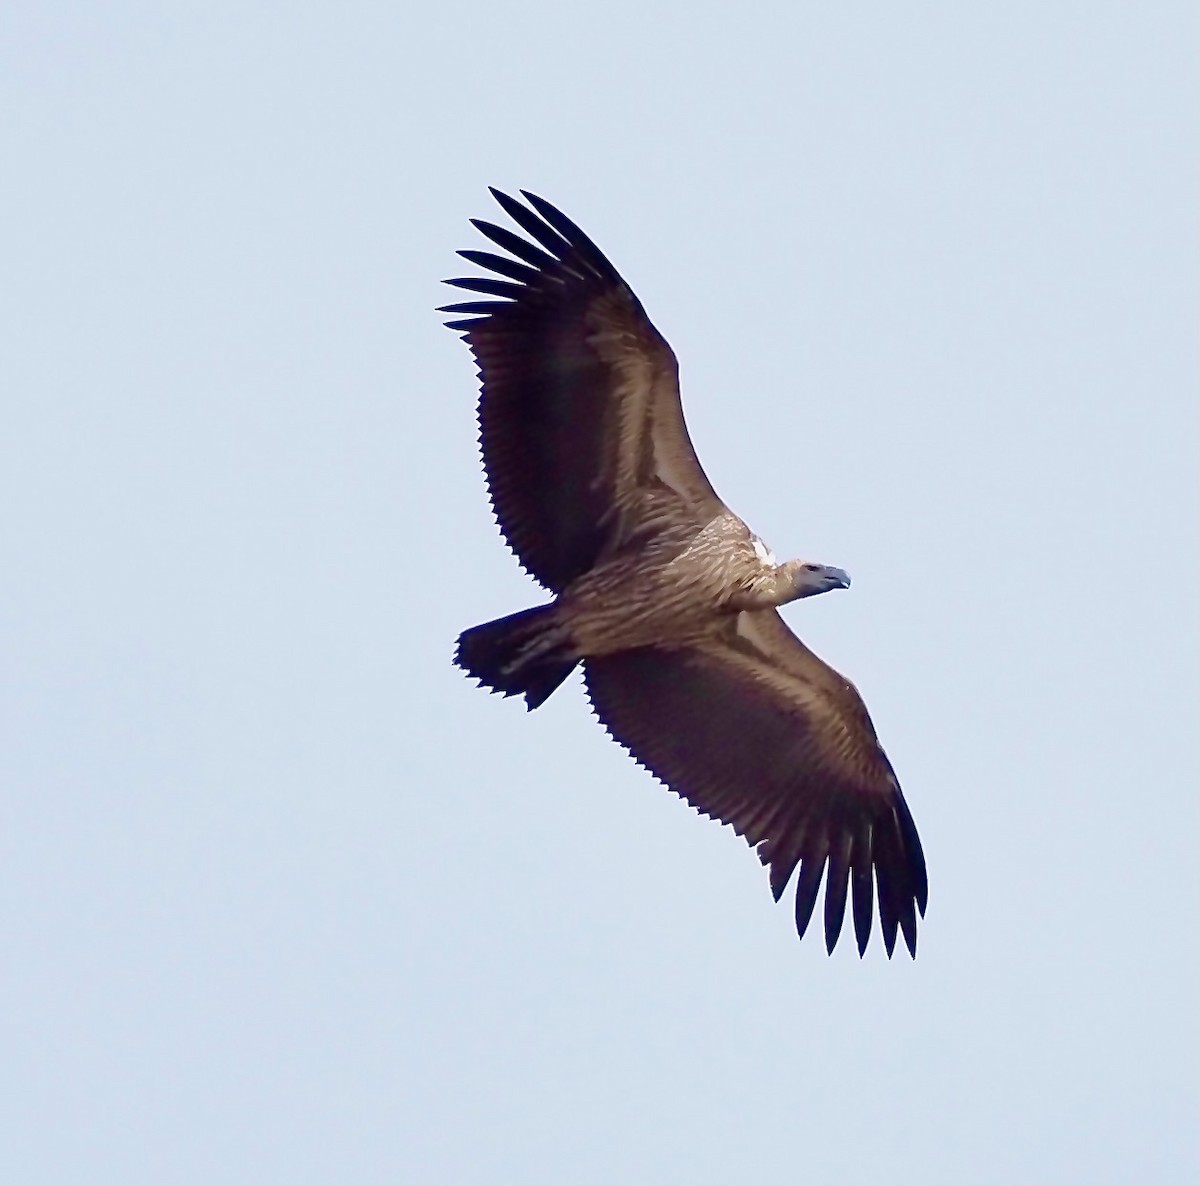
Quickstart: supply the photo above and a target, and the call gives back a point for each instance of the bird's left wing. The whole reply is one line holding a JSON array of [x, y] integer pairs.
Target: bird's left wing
[[759, 733]]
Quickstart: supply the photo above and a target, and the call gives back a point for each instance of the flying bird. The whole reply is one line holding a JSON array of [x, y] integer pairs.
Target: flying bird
[[664, 595]]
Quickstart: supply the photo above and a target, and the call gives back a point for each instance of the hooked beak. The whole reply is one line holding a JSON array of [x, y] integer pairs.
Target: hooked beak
[[838, 578]]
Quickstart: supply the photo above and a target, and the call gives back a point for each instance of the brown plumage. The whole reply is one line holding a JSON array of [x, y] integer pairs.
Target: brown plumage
[[662, 592]]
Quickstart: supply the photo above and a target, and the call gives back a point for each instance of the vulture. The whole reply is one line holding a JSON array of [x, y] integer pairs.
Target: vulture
[[666, 597]]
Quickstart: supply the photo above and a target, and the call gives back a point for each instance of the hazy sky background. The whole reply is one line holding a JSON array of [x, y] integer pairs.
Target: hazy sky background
[[285, 898]]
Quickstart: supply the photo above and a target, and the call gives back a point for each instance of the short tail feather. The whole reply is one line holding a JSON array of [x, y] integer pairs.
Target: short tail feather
[[526, 653]]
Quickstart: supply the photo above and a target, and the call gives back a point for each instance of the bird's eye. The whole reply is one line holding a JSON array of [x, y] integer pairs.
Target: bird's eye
[[811, 567]]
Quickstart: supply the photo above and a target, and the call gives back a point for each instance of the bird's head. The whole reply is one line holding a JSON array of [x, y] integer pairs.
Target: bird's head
[[808, 579]]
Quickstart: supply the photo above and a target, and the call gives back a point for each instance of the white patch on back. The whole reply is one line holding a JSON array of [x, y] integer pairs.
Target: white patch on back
[[764, 554]]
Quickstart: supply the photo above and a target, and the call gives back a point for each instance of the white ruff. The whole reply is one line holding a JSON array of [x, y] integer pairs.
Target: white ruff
[[764, 553]]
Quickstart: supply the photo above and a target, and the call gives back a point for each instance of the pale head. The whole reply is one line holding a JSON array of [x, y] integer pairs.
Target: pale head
[[807, 579]]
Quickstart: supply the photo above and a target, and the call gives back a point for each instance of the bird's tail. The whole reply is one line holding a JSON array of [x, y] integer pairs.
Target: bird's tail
[[527, 654]]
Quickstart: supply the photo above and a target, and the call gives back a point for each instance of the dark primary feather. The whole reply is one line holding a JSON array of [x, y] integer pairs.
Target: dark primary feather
[[860, 885], [580, 401], [498, 263], [501, 288], [529, 222], [809, 884], [837, 883], [519, 247]]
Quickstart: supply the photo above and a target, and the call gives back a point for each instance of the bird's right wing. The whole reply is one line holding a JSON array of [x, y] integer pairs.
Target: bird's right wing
[[579, 414], [759, 733]]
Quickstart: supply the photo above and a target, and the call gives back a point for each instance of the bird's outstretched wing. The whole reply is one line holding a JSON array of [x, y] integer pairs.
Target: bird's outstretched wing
[[579, 413], [758, 732]]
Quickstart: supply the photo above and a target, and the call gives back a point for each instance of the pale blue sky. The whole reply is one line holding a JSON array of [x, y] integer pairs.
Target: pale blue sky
[[285, 898]]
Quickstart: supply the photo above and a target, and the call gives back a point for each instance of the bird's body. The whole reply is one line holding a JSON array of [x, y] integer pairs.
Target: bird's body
[[669, 587], [663, 593]]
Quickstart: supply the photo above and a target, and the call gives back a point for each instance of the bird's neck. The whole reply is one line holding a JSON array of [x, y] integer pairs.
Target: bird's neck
[[773, 585]]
